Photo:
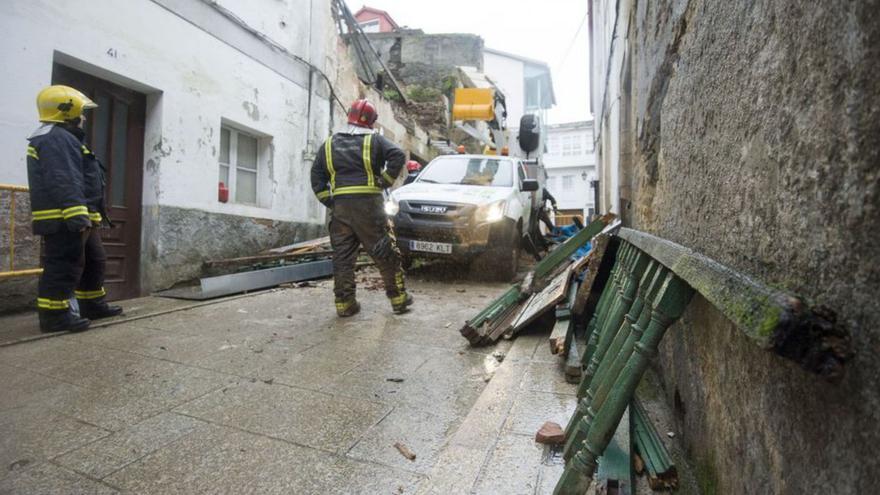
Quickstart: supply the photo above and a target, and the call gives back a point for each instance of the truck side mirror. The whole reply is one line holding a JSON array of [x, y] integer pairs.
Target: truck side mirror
[[529, 185]]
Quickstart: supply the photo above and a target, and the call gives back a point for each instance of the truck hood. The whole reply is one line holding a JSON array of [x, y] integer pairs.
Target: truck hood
[[452, 193]]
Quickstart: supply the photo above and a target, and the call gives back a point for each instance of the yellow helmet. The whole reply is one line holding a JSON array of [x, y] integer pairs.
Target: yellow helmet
[[61, 103]]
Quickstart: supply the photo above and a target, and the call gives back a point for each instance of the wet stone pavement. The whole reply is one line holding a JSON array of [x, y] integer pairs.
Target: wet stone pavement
[[273, 394]]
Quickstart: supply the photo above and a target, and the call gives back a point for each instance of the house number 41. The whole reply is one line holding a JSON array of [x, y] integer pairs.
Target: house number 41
[[112, 52]]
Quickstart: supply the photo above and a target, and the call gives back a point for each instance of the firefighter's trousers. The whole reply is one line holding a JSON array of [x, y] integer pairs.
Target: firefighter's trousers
[[73, 264], [356, 220]]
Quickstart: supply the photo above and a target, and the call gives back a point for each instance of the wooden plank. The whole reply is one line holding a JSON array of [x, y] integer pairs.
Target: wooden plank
[[615, 475], [601, 246], [267, 257], [543, 301], [573, 365], [572, 244], [314, 243], [775, 320], [557, 335]]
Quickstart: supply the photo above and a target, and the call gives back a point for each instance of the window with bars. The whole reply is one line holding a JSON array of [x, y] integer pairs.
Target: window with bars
[[239, 154]]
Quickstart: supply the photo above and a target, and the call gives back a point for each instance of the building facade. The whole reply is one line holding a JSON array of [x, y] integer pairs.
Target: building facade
[[238, 93], [526, 83], [570, 162], [375, 21]]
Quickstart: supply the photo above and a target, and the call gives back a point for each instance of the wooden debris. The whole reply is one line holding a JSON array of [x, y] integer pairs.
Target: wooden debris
[[267, 257], [573, 366], [543, 301], [525, 302], [312, 243], [658, 464], [404, 451], [557, 336], [592, 283]]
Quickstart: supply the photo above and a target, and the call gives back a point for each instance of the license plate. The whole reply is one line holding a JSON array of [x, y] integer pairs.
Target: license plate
[[431, 247]]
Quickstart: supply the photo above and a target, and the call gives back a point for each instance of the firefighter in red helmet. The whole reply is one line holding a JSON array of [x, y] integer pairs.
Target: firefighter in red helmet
[[348, 176], [412, 171]]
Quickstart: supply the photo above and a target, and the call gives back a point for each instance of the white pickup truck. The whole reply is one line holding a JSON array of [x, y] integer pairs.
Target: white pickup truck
[[466, 207]]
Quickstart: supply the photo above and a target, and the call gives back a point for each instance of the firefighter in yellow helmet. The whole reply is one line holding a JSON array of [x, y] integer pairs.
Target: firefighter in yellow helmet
[[67, 204]]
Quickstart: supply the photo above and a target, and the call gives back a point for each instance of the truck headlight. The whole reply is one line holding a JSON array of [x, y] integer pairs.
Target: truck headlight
[[491, 213], [391, 207]]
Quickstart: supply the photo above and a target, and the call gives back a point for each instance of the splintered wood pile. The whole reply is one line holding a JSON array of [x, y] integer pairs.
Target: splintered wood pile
[[551, 284]]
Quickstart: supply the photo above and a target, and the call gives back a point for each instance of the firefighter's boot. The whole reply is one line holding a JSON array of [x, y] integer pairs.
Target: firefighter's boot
[[62, 321], [401, 303], [95, 309], [347, 308]]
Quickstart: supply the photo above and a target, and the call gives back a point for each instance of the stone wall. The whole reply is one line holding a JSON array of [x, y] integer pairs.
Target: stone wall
[[17, 293], [751, 133], [187, 238], [425, 59]]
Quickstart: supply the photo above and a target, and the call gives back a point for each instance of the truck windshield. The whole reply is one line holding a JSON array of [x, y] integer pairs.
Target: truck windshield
[[469, 170]]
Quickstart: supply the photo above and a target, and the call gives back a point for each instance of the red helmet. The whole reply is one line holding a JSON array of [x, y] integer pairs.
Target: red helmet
[[362, 113], [413, 166]]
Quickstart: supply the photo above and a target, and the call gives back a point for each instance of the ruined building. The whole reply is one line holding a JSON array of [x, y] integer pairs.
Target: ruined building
[[750, 132]]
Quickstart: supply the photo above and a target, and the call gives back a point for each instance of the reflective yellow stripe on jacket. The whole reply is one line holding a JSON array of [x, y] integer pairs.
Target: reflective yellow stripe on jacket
[[368, 160], [369, 188], [357, 190], [32, 152], [61, 214], [328, 152]]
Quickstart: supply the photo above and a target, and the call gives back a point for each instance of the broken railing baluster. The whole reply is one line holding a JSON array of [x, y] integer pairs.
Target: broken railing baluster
[[591, 333], [594, 393], [609, 296], [667, 306], [636, 263]]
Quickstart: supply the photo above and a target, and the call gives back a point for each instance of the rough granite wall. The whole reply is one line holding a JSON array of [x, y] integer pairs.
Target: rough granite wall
[[17, 293], [187, 238], [425, 59], [757, 142]]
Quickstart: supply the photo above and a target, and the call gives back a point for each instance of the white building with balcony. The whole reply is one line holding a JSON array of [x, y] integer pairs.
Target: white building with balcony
[[570, 161]]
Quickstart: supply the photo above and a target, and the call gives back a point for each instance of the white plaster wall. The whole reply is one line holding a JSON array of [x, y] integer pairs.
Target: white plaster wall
[[507, 74], [554, 157], [193, 81], [608, 43], [580, 196]]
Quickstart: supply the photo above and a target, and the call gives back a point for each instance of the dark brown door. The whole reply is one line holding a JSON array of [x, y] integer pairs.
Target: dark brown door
[[115, 133]]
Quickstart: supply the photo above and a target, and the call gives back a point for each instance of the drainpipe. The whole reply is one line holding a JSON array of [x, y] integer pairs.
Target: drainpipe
[[595, 184]]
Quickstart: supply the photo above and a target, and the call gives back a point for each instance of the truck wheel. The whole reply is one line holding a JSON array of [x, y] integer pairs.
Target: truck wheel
[[508, 259], [505, 259]]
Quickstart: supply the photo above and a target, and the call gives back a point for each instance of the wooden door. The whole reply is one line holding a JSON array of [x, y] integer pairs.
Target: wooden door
[[115, 133]]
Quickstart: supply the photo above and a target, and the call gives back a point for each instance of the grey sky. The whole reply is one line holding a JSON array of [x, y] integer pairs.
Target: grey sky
[[540, 30]]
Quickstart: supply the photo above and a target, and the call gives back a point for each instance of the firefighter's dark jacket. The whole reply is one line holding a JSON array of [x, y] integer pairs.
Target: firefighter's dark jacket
[[66, 181], [355, 164]]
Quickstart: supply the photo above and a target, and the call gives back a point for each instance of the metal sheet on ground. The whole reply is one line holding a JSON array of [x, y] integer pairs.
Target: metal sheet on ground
[[225, 285]]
